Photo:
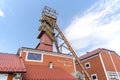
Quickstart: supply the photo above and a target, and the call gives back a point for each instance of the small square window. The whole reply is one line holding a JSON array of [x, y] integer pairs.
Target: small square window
[[87, 65], [94, 77], [50, 65]]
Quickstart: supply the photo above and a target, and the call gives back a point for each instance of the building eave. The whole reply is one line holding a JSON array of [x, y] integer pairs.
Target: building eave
[[47, 52]]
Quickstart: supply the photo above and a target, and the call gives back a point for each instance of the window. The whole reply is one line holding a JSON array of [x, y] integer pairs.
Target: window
[[34, 57], [3, 76], [113, 75], [50, 65], [94, 77], [17, 76], [87, 65]]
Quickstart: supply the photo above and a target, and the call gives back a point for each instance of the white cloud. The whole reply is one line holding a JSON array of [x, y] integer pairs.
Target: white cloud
[[2, 3], [98, 27], [1, 13]]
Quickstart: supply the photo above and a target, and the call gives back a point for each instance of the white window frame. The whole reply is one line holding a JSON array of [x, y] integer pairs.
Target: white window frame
[[94, 75], [34, 60], [88, 64]]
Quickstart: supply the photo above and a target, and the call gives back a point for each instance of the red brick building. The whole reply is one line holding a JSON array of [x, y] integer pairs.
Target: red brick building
[[47, 65], [11, 67], [101, 64], [34, 64], [40, 63]]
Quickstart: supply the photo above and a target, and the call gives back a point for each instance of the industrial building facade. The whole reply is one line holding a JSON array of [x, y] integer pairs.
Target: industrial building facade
[[101, 64], [34, 64], [42, 63], [47, 65]]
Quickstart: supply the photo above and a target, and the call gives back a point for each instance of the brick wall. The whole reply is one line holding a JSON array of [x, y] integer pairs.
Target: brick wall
[[64, 62], [95, 67]]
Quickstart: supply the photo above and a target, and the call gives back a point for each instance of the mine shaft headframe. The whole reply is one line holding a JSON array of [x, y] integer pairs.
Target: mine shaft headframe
[[48, 24], [47, 11], [49, 17]]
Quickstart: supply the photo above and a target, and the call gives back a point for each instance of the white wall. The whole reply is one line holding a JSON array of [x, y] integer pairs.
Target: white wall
[[3, 76]]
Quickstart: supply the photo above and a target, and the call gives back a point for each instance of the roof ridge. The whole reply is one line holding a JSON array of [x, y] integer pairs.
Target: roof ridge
[[93, 52]]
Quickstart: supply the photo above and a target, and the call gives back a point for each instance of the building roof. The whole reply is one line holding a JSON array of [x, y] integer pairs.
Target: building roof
[[92, 53], [89, 54], [11, 63], [39, 72]]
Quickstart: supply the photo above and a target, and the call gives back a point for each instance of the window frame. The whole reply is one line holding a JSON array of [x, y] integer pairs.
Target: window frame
[[94, 75], [86, 66], [27, 53]]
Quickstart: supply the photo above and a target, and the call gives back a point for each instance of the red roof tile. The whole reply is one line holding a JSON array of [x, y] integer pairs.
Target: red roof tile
[[89, 54], [11, 63], [37, 72], [94, 52]]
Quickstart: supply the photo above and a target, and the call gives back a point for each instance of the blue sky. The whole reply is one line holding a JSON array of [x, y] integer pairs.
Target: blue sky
[[87, 24]]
